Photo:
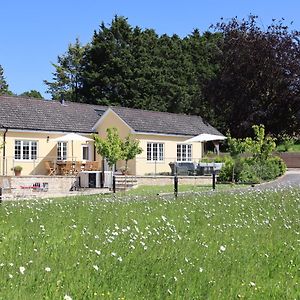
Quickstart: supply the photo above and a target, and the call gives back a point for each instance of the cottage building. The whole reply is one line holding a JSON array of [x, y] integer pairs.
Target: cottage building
[[31, 129]]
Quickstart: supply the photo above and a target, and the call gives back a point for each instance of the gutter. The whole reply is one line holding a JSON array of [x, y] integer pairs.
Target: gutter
[[4, 150]]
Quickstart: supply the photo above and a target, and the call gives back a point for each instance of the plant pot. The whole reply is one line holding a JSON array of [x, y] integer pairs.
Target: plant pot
[[17, 173]]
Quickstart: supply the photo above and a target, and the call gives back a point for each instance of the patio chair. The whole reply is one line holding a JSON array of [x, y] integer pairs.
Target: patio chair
[[78, 167], [95, 165], [88, 166], [67, 169], [50, 167]]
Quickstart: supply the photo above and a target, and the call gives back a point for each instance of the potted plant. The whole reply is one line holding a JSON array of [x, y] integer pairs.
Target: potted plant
[[17, 170]]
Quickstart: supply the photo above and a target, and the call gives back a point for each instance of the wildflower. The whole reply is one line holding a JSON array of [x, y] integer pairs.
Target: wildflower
[[252, 283], [113, 254], [200, 270], [22, 270], [120, 258], [67, 297], [98, 252], [222, 248], [96, 267], [10, 276], [47, 269]]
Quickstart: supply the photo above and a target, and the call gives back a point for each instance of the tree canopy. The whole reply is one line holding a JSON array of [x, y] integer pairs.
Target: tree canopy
[[235, 75], [258, 78], [32, 94]]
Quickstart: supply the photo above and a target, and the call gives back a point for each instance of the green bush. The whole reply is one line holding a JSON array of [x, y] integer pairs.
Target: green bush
[[251, 170], [231, 167]]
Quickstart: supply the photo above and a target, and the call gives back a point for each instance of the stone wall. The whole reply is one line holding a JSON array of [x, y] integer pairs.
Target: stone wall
[[166, 180], [36, 186]]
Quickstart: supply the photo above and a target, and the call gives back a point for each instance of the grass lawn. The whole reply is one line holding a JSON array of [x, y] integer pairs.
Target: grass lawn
[[294, 148], [221, 246], [150, 190]]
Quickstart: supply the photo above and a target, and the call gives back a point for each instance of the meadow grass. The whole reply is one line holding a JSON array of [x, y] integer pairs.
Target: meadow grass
[[150, 190], [212, 246]]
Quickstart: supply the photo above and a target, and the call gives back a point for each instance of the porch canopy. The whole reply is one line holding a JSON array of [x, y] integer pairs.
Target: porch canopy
[[71, 137], [206, 137]]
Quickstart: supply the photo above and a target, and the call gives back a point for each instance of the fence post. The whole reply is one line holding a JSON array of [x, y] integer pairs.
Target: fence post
[[114, 183], [0, 194], [214, 179], [175, 186]]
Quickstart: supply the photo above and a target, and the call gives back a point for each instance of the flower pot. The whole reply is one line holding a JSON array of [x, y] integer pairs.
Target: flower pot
[[17, 173]]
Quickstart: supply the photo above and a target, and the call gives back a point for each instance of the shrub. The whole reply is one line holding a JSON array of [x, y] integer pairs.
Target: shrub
[[253, 171], [230, 168]]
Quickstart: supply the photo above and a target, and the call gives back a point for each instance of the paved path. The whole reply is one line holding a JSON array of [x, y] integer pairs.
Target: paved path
[[291, 178]]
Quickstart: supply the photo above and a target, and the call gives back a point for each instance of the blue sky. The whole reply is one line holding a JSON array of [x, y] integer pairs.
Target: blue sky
[[34, 32]]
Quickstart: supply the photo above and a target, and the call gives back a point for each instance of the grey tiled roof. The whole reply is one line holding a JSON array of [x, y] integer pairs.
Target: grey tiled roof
[[165, 123], [48, 115]]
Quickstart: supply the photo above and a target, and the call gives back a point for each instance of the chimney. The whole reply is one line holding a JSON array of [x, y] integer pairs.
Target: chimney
[[62, 100]]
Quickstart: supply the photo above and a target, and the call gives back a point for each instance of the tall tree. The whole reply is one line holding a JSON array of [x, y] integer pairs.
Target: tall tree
[[67, 74], [4, 90], [108, 61], [258, 77]]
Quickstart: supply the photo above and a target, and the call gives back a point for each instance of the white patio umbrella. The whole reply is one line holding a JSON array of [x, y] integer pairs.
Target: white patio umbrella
[[206, 137], [71, 137]]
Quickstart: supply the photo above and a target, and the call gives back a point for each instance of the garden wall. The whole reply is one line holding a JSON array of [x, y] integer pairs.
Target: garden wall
[[165, 180], [291, 159]]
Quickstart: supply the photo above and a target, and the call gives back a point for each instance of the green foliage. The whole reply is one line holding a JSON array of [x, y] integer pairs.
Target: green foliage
[[32, 94], [17, 168], [259, 166], [132, 67], [262, 146], [249, 170], [236, 75], [111, 147], [235, 146], [130, 149], [67, 75], [257, 80], [227, 172], [131, 247], [287, 142], [216, 159], [4, 90]]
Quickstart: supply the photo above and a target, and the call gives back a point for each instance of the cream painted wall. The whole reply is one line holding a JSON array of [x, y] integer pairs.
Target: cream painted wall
[[170, 153], [109, 121], [46, 151], [140, 165]]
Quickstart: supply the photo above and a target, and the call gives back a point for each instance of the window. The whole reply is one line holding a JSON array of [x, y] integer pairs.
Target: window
[[155, 151], [61, 151], [184, 152], [25, 150], [85, 152]]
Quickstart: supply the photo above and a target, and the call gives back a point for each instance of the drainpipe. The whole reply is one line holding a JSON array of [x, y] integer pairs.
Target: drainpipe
[[3, 156]]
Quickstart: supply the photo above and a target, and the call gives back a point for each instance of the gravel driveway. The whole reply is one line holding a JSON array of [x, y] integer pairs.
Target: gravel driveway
[[291, 178]]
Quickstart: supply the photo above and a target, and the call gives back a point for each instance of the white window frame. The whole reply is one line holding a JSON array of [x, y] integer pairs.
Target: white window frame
[[88, 146], [160, 148], [60, 145], [184, 156], [30, 154]]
